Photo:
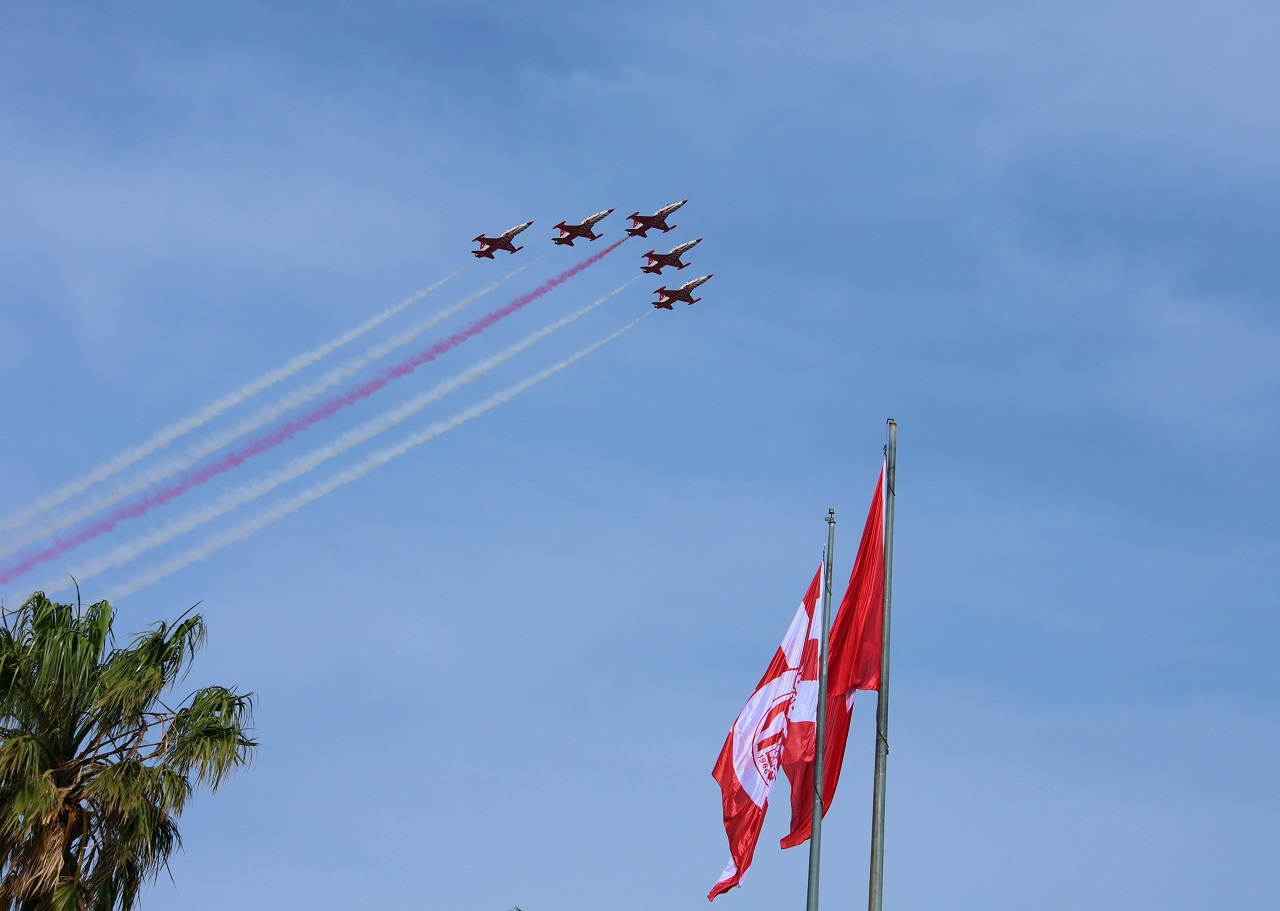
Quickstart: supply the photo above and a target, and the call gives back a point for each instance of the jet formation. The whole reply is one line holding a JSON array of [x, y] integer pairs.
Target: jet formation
[[640, 225]]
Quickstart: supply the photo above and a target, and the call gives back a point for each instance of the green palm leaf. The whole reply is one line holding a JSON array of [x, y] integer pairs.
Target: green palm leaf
[[95, 768]]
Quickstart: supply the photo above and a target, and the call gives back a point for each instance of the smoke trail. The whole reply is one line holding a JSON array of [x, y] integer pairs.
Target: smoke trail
[[232, 500], [333, 482], [144, 479], [289, 429], [198, 418]]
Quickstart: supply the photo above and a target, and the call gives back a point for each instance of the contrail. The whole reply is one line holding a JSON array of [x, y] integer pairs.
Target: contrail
[[197, 418], [232, 500], [295, 399], [374, 460], [288, 429]]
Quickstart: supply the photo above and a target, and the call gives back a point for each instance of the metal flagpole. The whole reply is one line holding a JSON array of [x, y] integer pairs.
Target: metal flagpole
[[815, 837], [876, 891]]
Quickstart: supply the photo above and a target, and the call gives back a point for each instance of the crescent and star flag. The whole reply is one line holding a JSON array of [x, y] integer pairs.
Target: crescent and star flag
[[749, 760], [854, 664]]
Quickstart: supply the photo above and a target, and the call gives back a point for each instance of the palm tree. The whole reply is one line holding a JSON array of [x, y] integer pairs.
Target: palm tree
[[95, 768]]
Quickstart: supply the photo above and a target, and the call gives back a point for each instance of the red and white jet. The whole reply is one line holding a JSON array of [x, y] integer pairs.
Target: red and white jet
[[502, 242], [683, 293], [658, 261], [585, 229], [658, 220]]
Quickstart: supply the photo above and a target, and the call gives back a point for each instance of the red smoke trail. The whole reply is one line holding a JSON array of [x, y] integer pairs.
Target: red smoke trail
[[289, 429]]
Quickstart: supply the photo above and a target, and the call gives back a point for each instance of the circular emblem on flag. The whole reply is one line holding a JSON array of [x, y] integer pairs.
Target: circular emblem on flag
[[758, 736]]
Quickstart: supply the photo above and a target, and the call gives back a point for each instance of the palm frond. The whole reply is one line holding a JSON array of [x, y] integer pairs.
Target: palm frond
[[95, 769]]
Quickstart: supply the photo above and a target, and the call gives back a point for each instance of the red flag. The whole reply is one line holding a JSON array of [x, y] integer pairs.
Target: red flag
[[748, 762], [854, 665]]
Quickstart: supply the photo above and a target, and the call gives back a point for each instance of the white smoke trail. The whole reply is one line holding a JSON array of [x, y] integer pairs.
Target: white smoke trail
[[345, 441], [374, 460], [261, 418], [198, 418]]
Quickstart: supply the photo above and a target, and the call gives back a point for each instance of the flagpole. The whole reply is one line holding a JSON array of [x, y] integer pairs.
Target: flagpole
[[876, 890], [815, 837]]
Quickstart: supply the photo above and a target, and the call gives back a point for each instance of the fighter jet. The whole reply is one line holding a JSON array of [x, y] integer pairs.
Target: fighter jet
[[658, 261], [501, 242], [658, 220], [569, 232], [683, 293]]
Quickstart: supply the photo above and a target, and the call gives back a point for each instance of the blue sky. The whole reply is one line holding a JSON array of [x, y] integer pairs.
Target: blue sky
[[499, 669]]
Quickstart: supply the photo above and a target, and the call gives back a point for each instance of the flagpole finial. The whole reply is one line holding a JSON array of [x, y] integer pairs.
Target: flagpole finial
[[831, 515]]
